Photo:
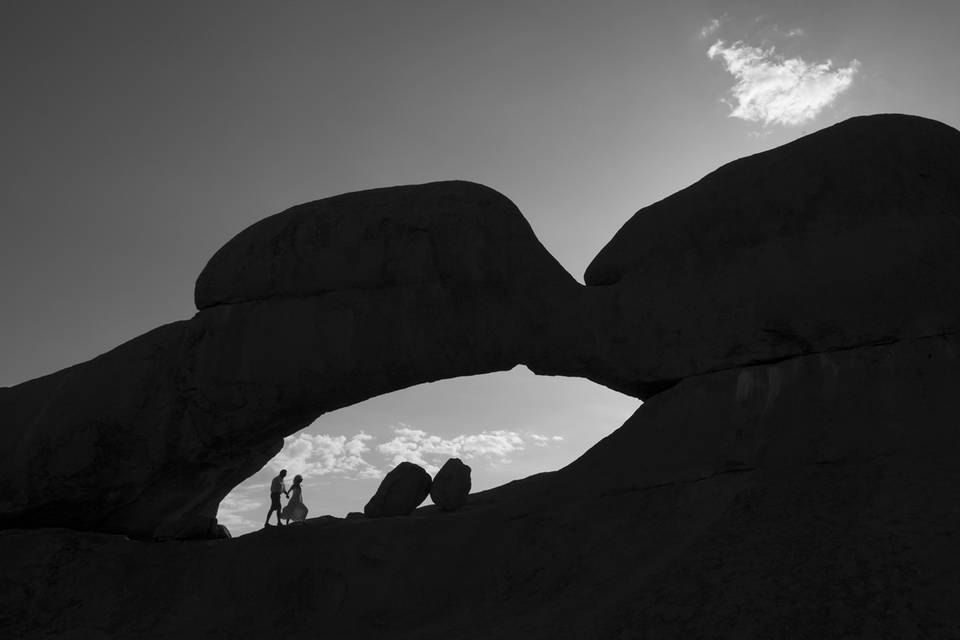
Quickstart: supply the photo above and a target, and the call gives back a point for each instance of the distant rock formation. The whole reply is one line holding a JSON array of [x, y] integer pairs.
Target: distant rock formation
[[451, 485], [402, 490]]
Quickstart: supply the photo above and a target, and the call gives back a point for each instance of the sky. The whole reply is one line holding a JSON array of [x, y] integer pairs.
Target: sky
[[138, 137]]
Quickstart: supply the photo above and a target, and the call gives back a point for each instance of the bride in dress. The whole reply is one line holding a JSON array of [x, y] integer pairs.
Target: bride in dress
[[295, 510]]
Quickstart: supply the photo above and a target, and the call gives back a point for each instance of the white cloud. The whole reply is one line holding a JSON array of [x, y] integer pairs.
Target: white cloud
[[317, 455], [233, 506], [774, 90], [419, 447], [709, 29]]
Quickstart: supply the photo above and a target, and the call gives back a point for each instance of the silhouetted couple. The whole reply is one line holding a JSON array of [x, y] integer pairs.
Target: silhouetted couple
[[295, 509]]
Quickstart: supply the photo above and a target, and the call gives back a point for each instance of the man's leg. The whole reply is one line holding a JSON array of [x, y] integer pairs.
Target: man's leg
[[274, 506]]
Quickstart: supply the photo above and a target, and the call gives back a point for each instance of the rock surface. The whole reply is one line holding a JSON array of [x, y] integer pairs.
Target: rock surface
[[402, 490], [811, 498], [841, 239], [844, 237], [147, 439], [440, 232], [451, 485]]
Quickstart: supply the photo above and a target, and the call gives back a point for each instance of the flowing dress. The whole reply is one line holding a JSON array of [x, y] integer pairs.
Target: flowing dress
[[295, 511]]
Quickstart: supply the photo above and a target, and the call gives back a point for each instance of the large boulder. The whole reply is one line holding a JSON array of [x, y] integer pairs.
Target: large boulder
[[400, 492], [451, 485], [308, 311], [452, 232], [844, 237]]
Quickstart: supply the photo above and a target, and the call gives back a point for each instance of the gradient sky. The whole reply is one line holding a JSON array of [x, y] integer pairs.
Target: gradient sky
[[138, 137]]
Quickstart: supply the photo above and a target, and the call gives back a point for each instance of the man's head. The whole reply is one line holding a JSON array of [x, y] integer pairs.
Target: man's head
[[283, 472]]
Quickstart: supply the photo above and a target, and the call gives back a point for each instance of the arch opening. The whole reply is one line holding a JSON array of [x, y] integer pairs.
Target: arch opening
[[506, 425]]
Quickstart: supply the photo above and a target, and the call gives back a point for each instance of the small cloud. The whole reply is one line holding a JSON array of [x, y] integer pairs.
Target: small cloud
[[709, 29], [318, 455], [775, 32], [774, 90]]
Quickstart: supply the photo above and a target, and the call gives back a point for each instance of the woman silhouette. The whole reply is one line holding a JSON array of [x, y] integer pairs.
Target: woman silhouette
[[295, 509]]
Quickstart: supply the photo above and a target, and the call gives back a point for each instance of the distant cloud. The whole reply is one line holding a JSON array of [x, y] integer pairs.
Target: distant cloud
[[709, 29], [317, 455], [774, 90], [429, 451], [233, 506], [773, 31]]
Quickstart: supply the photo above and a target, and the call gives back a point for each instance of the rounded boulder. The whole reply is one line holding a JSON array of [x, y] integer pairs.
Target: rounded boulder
[[842, 238], [402, 490], [451, 485]]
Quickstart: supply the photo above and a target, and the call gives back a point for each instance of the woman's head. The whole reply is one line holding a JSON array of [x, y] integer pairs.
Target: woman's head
[[297, 479]]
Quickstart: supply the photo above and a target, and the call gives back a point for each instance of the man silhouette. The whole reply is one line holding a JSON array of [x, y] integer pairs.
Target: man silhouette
[[276, 488]]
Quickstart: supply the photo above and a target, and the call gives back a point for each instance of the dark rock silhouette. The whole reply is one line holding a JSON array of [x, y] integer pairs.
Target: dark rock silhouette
[[842, 238], [401, 491], [791, 320], [147, 439], [379, 239], [451, 485], [811, 498], [847, 236]]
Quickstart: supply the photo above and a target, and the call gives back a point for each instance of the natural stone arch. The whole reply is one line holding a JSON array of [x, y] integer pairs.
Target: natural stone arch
[[310, 310], [147, 438], [541, 422]]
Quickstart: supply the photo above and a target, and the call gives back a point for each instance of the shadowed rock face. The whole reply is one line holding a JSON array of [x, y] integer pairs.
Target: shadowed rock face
[[845, 237], [815, 495]]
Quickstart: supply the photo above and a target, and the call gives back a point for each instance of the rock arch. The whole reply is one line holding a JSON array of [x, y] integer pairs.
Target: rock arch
[[315, 308], [842, 239]]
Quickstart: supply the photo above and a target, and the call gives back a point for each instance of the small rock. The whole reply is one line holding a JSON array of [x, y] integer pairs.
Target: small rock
[[402, 491], [451, 486]]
